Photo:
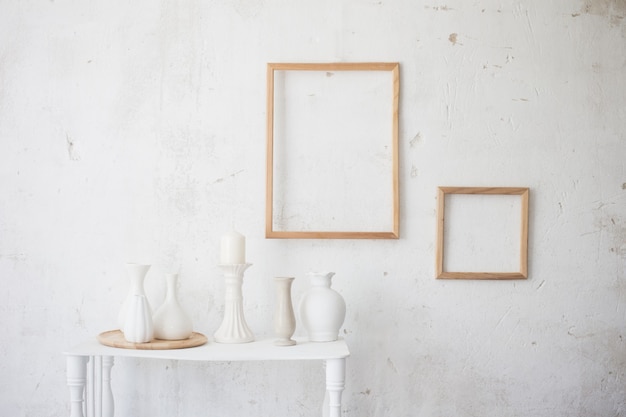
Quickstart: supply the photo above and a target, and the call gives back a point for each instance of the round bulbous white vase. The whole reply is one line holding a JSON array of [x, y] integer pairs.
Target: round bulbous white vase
[[284, 317], [136, 274], [138, 327], [322, 309], [171, 322]]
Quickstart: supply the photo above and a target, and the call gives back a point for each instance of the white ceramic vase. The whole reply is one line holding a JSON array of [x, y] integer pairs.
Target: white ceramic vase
[[284, 317], [138, 327], [322, 309], [171, 322], [136, 273]]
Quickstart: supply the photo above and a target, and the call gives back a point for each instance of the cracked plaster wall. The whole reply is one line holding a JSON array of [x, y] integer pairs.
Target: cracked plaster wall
[[135, 131]]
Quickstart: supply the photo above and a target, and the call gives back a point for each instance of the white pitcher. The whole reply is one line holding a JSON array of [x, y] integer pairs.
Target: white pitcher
[[322, 309]]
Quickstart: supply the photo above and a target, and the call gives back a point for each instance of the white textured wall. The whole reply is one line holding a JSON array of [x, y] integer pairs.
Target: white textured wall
[[135, 131]]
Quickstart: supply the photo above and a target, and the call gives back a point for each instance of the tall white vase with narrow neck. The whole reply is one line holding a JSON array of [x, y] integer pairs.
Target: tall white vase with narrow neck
[[322, 309], [171, 322], [136, 273], [138, 327]]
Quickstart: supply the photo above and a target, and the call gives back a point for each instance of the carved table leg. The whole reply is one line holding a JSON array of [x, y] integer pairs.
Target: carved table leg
[[76, 367], [335, 382], [107, 394]]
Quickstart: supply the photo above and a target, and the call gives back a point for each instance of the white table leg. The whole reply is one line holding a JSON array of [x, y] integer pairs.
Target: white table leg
[[76, 367], [335, 382], [98, 394], [108, 408]]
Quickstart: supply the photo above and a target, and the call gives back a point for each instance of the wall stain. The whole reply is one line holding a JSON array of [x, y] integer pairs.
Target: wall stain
[[439, 8], [453, 38], [79, 313], [613, 10], [248, 9], [19, 257], [71, 148], [234, 174], [416, 139], [572, 333], [596, 67], [608, 220]]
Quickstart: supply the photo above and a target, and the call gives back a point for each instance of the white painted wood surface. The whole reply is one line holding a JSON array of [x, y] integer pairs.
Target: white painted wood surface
[[89, 367]]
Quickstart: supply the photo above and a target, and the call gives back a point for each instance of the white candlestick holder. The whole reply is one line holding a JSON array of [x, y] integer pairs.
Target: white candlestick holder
[[234, 328]]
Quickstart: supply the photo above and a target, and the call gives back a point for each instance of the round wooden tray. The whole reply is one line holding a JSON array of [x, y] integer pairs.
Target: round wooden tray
[[115, 338]]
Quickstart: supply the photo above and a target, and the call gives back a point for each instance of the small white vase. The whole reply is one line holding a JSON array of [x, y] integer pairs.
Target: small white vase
[[136, 273], [284, 317], [138, 326], [171, 322], [322, 309]]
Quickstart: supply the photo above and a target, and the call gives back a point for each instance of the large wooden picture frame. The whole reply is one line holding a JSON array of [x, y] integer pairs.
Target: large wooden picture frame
[[522, 273], [332, 151]]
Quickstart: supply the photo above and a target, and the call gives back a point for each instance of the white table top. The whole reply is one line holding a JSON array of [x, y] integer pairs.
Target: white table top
[[222, 352]]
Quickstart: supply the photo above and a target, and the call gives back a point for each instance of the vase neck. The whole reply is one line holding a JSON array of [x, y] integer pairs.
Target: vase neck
[[137, 274], [172, 286], [321, 279]]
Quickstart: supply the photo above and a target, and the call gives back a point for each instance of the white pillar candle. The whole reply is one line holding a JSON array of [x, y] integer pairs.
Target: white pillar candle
[[233, 248]]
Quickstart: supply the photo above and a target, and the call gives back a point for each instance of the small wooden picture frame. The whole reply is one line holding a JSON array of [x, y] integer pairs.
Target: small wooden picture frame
[[332, 151], [520, 242]]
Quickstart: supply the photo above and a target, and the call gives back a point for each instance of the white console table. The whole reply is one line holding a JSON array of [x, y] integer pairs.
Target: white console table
[[89, 367]]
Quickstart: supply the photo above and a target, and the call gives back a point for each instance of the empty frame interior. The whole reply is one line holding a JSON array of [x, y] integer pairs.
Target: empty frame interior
[[332, 152], [482, 233]]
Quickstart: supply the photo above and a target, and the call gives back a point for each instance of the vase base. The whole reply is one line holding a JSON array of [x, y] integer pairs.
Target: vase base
[[323, 337], [172, 338], [231, 332], [284, 342]]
